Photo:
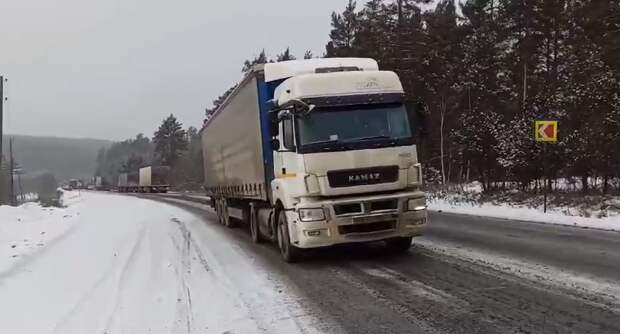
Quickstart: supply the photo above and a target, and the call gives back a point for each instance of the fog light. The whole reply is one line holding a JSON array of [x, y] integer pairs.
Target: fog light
[[416, 204]]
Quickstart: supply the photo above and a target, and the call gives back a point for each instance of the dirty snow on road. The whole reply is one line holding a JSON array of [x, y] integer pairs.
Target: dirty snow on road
[[115, 264]]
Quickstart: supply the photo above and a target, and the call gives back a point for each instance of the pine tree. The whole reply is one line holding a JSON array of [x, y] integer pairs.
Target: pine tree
[[170, 141], [286, 55], [308, 54], [344, 29], [488, 75], [260, 59]]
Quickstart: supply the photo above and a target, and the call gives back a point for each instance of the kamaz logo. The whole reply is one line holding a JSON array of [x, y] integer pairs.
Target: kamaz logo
[[365, 177]]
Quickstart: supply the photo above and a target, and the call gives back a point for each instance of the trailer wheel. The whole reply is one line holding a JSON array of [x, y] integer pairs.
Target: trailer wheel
[[228, 222], [289, 252], [254, 227], [218, 211]]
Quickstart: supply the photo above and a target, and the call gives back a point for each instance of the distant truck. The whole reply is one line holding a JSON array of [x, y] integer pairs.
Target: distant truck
[[155, 179], [313, 153], [100, 184], [151, 179], [128, 182], [75, 184]]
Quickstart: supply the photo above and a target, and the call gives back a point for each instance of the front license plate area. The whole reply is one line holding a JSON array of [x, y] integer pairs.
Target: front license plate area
[[374, 219]]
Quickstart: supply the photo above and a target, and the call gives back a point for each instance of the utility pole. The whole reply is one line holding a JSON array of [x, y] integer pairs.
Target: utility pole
[[12, 168], [1, 135]]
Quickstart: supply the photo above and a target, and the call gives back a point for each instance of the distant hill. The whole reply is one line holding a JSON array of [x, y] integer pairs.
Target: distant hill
[[66, 158]]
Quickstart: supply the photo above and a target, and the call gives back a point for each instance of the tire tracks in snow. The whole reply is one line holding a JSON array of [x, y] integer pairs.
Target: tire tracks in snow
[[184, 309], [107, 274]]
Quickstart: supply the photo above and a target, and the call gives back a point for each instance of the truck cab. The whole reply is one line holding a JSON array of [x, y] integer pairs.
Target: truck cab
[[345, 159], [314, 153]]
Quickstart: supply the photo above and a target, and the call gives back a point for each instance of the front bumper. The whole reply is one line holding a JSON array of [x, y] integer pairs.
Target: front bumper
[[391, 219]]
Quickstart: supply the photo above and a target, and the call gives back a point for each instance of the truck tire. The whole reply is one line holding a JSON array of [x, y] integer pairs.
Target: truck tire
[[220, 211], [254, 226], [227, 221], [400, 244], [289, 252]]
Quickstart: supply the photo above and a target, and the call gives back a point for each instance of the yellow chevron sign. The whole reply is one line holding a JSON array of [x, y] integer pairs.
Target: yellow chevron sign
[[546, 131]]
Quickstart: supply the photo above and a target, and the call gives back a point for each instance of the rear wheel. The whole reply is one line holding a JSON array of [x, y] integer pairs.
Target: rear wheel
[[400, 244], [254, 229], [218, 210], [289, 252], [227, 221]]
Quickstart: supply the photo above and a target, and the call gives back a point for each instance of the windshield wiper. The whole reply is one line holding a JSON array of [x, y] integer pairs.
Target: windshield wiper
[[328, 141], [369, 138]]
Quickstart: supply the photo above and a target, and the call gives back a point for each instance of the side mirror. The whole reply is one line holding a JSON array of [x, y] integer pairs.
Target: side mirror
[[273, 124], [275, 144]]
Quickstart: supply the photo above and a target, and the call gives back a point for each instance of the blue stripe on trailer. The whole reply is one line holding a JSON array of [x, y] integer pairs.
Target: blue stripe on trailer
[[265, 93]]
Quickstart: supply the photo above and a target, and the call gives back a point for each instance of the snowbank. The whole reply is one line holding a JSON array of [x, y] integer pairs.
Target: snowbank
[[29, 228], [553, 216]]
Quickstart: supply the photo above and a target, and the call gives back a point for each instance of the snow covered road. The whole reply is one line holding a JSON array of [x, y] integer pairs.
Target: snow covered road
[[128, 265], [121, 264]]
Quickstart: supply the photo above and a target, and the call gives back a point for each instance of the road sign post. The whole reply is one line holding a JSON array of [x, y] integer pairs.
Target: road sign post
[[545, 132]]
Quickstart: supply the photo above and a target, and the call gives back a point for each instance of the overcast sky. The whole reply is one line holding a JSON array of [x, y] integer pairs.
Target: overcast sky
[[110, 69]]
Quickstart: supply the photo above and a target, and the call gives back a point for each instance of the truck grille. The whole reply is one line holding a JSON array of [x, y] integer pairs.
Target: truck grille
[[390, 204], [367, 228], [362, 176], [348, 209]]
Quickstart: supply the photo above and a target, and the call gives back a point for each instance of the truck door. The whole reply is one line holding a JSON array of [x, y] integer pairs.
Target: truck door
[[286, 162]]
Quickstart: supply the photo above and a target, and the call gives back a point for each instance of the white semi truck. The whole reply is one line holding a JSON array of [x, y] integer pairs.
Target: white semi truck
[[314, 153]]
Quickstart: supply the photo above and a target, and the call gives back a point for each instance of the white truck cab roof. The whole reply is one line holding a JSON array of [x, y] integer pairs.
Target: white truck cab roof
[[338, 84], [291, 68]]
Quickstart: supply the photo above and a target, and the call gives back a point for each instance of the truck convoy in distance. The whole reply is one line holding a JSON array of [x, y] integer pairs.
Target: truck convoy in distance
[[151, 179], [319, 152]]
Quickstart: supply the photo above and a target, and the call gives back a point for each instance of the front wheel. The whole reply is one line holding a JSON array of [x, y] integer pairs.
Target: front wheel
[[400, 244], [289, 252]]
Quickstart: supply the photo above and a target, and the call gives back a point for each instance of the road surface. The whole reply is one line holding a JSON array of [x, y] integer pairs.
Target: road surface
[[467, 275], [162, 264]]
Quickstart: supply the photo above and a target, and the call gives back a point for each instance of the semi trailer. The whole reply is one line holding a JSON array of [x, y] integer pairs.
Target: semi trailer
[[151, 179], [314, 153]]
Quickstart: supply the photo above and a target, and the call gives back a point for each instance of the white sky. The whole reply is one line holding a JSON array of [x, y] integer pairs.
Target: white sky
[[113, 68]]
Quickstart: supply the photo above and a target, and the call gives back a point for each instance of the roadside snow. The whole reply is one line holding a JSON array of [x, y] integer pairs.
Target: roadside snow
[[119, 264], [505, 211], [30, 228]]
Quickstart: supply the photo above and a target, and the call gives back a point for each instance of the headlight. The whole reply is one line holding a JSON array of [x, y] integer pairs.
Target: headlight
[[311, 215], [416, 204]]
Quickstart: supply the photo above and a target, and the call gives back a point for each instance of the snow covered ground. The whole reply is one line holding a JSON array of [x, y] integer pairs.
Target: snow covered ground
[[115, 264], [27, 229], [560, 216]]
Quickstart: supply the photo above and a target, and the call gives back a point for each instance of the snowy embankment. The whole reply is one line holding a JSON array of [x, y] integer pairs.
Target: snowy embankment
[[116, 264], [30, 228], [459, 204]]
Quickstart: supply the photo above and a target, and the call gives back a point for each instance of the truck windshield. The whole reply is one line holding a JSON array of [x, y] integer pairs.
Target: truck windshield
[[355, 127]]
